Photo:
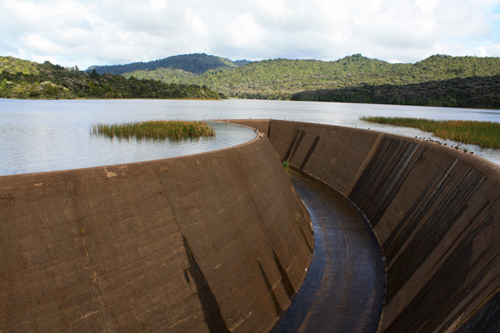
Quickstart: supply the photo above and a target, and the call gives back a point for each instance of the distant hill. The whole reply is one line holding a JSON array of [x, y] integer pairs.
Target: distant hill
[[243, 62], [26, 79], [281, 78], [346, 79], [193, 63]]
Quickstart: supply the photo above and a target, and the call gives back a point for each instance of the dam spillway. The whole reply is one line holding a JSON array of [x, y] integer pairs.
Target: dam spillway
[[345, 285], [435, 211], [195, 243], [221, 239]]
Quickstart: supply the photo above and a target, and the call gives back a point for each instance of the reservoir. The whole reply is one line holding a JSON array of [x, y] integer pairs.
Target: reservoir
[[49, 135]]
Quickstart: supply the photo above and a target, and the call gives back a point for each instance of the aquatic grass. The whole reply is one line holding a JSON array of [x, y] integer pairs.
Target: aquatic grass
[[155, 129], [481, 133]]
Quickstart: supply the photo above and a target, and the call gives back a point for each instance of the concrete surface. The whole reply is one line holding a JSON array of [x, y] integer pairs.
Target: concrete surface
[[212, 242], [435, 211], [220, 241], [344, 287]]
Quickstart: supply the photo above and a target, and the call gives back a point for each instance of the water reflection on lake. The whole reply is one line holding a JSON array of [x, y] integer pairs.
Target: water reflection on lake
[[42, 135]]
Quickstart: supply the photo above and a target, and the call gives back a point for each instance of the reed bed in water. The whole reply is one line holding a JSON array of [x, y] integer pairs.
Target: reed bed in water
[[481, 133], [155, 129]]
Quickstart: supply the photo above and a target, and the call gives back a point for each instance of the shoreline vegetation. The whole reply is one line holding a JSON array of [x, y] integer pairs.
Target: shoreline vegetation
[[470, 92], [155, 129], [481, 133], [24, 79]]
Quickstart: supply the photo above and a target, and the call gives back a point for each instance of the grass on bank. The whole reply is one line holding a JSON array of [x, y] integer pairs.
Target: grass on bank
[[155, 129], [483, 134]]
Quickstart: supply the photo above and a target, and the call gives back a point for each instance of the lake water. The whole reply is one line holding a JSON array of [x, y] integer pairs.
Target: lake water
[[48, 135]]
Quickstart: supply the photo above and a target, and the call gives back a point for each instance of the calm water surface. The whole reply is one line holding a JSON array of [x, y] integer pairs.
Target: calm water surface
[[43, 135]]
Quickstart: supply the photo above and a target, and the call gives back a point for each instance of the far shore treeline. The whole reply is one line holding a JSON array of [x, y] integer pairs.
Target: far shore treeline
[[471, 92], [24, 79], [440, 80]]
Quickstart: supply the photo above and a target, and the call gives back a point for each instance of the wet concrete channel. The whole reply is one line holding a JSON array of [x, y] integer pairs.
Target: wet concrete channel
[[344, 288]]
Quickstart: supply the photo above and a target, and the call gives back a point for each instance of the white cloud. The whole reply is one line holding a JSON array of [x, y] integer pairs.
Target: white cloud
[[88, 32]]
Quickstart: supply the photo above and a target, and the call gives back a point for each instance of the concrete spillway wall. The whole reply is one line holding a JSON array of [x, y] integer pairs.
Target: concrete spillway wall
[[435, 211], [219, 241], [210, 242]]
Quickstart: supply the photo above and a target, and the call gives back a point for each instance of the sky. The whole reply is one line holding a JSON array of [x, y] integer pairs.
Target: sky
[[108, 32]]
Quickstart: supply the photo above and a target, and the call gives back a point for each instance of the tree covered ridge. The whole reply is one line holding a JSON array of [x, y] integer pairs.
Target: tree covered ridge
[[14, 65], [197, 63], [432, 81], [281, 78], [25, 79]]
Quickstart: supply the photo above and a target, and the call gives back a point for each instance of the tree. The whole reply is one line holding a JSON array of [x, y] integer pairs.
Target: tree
[[94, 75]]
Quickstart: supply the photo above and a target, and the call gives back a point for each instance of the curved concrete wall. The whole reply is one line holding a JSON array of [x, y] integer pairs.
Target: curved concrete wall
[[211, 242], [434, 210]]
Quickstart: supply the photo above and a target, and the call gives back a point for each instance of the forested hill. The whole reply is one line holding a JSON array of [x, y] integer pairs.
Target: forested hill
[[192, 63], [281, 78], [25, 79], [266, 79]]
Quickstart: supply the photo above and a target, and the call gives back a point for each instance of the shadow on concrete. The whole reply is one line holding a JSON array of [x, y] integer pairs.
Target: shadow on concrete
[[344, 288]]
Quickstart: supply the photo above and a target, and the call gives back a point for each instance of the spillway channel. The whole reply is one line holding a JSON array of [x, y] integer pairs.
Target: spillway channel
[[344, 287]]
